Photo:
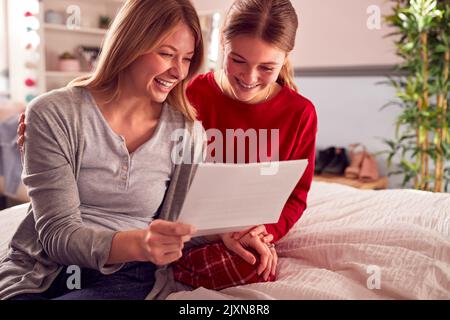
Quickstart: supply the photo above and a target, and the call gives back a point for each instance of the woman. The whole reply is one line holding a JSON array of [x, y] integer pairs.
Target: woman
[[254, 91], [97, 164]]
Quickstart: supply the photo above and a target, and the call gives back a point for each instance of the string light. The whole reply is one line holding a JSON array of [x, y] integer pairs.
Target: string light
[[31, 43]]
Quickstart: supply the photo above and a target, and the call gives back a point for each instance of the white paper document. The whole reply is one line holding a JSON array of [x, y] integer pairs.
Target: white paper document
[[231, 197]]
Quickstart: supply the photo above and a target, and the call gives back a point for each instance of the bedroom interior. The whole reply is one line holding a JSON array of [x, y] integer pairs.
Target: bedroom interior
[[377, 225]]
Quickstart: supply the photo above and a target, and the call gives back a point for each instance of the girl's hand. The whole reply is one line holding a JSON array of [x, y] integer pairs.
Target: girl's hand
[[267, 252], [255, 231]]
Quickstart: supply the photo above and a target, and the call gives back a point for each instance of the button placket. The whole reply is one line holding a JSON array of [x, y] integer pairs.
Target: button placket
[[124, 171]]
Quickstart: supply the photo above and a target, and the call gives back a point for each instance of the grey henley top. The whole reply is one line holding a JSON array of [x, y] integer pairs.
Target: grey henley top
[[85, 187], [119, 190]]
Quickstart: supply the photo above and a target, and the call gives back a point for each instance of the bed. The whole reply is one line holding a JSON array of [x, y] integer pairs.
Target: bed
[[10, 164], [349, 244]]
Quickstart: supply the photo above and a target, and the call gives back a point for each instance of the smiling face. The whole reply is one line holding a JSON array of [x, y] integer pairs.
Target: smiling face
[[156, 73], [251, 67]]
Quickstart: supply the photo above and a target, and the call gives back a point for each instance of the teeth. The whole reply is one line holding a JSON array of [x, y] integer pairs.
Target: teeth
[[165, 83], [246, 86]]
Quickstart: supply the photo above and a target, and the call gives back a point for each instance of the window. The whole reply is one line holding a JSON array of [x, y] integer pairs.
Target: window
[[210, 23]]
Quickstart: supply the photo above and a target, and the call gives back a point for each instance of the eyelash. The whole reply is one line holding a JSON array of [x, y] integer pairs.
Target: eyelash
[[166, 54], [169, 55], [266, 69], [237, 61]]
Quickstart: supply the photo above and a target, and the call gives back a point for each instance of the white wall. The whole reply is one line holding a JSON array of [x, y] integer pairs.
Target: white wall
[[348, 111], [212, 5], [334, 33]]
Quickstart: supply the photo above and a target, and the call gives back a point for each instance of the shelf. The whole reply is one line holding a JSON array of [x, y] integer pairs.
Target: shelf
[[60, 27], [62, 74]]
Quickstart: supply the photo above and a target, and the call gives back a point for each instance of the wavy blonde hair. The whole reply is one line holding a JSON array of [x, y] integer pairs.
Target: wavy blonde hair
[[273, 21], [139, 27]]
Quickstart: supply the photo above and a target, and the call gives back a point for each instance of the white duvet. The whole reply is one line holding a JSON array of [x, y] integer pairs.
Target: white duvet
[[349, 244]]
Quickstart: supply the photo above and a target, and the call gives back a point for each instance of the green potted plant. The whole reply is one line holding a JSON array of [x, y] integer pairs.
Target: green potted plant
[[422, 135], [67, 62], [104, 22]]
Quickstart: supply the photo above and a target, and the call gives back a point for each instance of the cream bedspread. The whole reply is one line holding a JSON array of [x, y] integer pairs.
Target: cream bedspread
[[349, 244]]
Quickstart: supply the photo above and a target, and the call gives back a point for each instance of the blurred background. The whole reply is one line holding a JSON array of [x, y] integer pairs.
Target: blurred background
[[343, 60]]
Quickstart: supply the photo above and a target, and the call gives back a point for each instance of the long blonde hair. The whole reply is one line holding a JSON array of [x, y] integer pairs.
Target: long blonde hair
[[140, 27], [273, 21]]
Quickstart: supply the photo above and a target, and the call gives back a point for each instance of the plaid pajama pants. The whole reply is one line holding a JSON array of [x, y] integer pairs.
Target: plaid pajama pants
[[215, 267]]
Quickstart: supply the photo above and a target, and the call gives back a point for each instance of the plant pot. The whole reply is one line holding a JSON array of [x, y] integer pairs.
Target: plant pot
[[54, 17], [69, 65]]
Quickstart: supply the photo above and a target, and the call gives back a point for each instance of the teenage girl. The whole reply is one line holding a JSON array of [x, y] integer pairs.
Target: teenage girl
[[255, 90]]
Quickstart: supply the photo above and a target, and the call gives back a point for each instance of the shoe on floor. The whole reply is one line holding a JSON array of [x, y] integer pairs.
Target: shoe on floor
[[369, 169], [324, 158], [338, 163], [357, 154]]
